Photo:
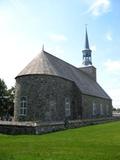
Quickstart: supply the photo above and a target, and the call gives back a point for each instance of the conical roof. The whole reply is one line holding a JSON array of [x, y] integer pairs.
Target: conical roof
[[86, 40], [48, 64]]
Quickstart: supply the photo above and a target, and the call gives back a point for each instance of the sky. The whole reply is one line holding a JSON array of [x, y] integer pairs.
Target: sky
[[25, 25]]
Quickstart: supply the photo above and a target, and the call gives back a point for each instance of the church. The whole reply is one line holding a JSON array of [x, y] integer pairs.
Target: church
[[49, 89]]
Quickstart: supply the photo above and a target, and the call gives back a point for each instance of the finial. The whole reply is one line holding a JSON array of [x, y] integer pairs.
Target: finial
[[43, 47]]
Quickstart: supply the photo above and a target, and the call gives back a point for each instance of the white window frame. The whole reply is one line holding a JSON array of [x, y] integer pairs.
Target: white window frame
[[94, 109], [67, 107], [23, 106]]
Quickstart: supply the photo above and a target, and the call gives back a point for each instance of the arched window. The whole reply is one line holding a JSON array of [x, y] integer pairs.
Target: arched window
[[67, 107], [23, 106]]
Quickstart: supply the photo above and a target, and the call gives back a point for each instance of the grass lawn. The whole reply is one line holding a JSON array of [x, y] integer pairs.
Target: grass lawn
[[98, 142]]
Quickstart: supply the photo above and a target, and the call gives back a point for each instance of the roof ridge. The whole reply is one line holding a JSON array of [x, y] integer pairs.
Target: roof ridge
[[64, 61], [70, 65]]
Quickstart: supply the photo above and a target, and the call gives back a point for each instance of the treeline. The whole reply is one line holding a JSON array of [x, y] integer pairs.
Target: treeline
[[6, 101], [116, 110]]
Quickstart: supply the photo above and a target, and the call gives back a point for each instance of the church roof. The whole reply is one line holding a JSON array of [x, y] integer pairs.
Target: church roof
[[47, 64]]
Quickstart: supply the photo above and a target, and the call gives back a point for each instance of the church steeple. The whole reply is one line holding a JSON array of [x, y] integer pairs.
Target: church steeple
[[86, 40], [87, 59]]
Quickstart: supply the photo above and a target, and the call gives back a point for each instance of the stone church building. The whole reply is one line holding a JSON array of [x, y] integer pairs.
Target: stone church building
[[49, 89]]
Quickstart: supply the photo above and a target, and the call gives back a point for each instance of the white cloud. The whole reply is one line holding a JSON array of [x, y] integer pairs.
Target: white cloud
[[99, 7], [113, 66], [58, 37], [109, 36]]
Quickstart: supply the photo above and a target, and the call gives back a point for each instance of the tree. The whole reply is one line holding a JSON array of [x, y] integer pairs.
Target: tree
[[118, 110], [10, 103], [6, 100], [114, 109], [3, 97]]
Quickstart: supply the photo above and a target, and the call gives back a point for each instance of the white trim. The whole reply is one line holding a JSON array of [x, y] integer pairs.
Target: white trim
[[23, 106]]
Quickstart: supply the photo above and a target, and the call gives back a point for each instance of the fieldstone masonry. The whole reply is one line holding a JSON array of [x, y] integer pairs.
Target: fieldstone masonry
[[46, 98], [41, 128], [87, 102]]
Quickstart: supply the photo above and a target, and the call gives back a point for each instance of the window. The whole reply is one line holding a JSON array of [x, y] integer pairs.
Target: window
[[67, 107], [94, 109], [101, 109], [23, 106], [107, 109]]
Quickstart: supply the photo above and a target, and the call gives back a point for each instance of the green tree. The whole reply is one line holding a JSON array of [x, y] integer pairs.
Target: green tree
[[114, 109], [118, 110], [6, 100], [10, 103], [3, 97]]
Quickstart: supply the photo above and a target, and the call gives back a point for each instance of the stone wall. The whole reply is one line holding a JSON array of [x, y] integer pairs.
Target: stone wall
[[41, 128], [89, 101], [46, 98], [31, 128]]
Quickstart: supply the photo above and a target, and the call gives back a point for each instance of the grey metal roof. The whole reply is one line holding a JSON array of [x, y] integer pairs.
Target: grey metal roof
[[48, 64]]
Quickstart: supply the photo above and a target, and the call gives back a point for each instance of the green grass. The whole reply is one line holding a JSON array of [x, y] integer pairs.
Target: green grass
[[98, 142]]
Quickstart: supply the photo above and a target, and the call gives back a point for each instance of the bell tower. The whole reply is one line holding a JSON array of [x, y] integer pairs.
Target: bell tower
[[87, 59], [87, 66]]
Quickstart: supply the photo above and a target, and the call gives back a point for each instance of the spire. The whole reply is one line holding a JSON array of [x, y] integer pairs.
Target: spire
[[87, 59], [86, 38]]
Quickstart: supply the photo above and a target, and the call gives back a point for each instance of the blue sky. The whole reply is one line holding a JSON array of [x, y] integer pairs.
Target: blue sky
[[60, 24]]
